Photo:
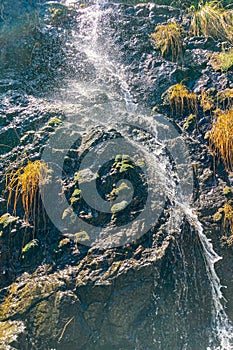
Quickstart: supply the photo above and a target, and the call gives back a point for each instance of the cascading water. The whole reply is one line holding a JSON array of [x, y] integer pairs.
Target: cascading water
[[109, 77]]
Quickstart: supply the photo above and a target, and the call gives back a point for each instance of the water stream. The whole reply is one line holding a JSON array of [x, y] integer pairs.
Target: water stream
[[94, 40]]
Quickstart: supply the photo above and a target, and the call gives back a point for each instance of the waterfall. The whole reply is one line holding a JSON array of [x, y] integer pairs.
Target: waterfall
[[222, 327], [110, 77]]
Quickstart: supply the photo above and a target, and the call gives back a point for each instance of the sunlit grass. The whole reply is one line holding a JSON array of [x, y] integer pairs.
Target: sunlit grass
[[23, 185], [180, 99], [168, 39], [211, 20], [221, 137]]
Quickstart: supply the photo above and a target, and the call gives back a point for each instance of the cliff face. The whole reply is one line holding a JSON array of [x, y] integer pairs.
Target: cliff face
[[58, 291]]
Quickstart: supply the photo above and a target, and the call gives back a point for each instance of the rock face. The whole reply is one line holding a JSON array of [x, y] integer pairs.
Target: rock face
[[58, 291], [115, 299]]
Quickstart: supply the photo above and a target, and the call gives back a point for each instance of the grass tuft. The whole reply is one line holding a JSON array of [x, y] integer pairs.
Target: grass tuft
[[168, 39], [180, 99], [221, 137], [22, 186], [212, 20]]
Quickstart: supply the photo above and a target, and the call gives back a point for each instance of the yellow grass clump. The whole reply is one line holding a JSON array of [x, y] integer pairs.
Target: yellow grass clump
[[23, 186], [212, 20], [221, 137], [180, 99], [168, 39]]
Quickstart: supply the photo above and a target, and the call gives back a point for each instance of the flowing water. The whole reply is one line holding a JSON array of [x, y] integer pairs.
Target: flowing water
[[94, 39]]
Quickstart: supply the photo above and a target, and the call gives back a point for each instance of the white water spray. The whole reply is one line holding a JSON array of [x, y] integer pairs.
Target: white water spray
[[86, 38]]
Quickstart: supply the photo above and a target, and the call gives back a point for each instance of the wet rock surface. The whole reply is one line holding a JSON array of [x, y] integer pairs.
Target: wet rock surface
[[57, 292]]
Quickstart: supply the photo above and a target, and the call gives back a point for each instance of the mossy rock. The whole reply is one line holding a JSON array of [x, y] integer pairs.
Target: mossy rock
[[22, 296], [190, 123], [76, 195], [30, 251], [123, 163], [54, 122], [119, 207], [85, 175], [7, 219], [227, 191]]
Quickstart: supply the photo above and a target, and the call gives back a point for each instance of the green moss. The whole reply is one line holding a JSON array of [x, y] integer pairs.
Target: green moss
[[123, 188], [7, 219], [190, 122], [222, 61], [227, 191], [122, 163], [30, 250], [84, 175], [54, 122], [76, 195], [118, 207], [140, 162], [59, 14]]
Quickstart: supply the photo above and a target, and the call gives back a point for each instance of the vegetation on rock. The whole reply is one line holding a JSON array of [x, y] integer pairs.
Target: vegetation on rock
[[225, 98], [222, 61], [225, 214], [168, 39], [221, 137], [180, 99], [211, 20], [23, 187]]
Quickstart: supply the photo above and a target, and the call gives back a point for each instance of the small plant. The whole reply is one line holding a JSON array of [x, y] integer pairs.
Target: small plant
[[191, 122], [23, 185], [180, 99], [30, 249], [225, 98], [221, 137], [206, 101], [225, 214], [222, 61], [54, 121], [168, 39], [227, 191], [123, 163], [211, 20]]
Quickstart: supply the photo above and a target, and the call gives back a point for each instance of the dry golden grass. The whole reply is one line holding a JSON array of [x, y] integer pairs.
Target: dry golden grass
[[180, 99], [221, 137], [212, 20], [23, 186], [168, 39]]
